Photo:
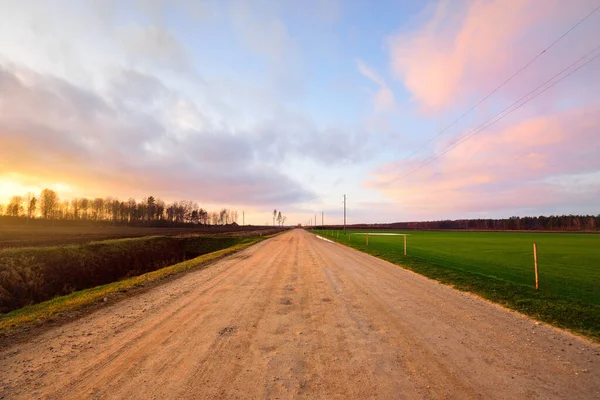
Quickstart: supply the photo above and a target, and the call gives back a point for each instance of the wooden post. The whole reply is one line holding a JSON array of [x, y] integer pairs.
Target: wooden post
[[535, 264], [367, 239], [404, 244]]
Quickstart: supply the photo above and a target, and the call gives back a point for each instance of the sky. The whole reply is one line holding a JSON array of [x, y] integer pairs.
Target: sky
[[261, 105]]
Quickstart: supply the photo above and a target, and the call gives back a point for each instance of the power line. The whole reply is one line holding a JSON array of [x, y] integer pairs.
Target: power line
[[485, 124], [510, 109], [344, 213], [504, 83]]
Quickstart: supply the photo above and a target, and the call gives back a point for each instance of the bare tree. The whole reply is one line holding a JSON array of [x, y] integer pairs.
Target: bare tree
[[98, 208], [223, 216], [186, 210], [279, 218], [63, 210], [115, 210], [31, 205], [48, 203], [131, 209], [15, 207], [274, 216], [84, 205], [195, 217], [214, 218], [75, 208], [203, 216], [160, 209], [151, 207]]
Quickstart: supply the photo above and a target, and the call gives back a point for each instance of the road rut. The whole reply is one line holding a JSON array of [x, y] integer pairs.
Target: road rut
[[298, 317]]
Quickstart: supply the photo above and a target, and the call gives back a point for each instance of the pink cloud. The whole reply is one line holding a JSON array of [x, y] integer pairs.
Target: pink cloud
[[383, 99], [506, 169], [53, 132], [543, 156], [466, 48]]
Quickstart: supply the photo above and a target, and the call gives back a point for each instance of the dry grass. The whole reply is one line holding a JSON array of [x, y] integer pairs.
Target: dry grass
[[42, 312], [31, 275]]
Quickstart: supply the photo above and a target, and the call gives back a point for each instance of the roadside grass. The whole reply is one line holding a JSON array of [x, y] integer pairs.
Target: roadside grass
[[30, 275], [48, 310], [498, 266]]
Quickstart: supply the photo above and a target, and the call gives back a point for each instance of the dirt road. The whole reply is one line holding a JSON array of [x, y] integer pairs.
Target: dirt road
[[298, 317]]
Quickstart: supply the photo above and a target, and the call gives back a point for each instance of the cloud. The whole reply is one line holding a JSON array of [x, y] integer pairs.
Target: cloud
[[157, 45], [135, 135], [263, 32], [52, 130], [383, 99], [461, 50], [528, 165], [131, 116], [541, 158]]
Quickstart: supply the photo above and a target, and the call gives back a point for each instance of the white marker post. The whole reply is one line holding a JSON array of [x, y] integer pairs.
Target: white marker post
[[535, 264]]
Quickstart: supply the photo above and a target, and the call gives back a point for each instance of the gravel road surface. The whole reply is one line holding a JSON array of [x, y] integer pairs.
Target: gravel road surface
[[299, 317]]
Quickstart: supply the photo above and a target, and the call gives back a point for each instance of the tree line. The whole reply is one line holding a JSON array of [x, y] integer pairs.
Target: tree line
[[148, 211], [279, 217], [541, 223]]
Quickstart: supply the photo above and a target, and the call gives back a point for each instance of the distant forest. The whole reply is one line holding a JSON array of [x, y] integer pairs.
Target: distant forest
[[147, 212], [552, 223]]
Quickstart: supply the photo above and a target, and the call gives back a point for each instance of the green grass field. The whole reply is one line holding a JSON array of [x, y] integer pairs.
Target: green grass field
[[499, 267]]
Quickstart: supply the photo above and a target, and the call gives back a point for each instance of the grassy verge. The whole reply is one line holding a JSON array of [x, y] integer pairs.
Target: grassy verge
[[569, 306], [50, 309], [31, 275]]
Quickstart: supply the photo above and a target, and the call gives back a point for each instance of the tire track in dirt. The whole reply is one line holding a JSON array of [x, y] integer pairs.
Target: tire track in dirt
[[139, 345], [431, 319], [361, 305]]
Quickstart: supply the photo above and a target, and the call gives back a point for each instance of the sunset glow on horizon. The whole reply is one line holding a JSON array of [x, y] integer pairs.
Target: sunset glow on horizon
[[256, 106]]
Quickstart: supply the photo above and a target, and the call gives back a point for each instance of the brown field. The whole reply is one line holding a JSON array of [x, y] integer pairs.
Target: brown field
[[39, 235]]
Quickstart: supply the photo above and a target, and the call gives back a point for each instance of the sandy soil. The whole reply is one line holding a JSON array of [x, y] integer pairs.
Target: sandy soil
[[298, 317]]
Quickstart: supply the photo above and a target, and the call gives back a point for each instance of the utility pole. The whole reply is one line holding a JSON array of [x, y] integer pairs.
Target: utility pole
[[344, 213], [315, 221], [243, 219], [322, 219]]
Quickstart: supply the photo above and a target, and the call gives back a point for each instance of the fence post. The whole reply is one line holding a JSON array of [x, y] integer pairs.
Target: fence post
[[535, 264], [405, 244]]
